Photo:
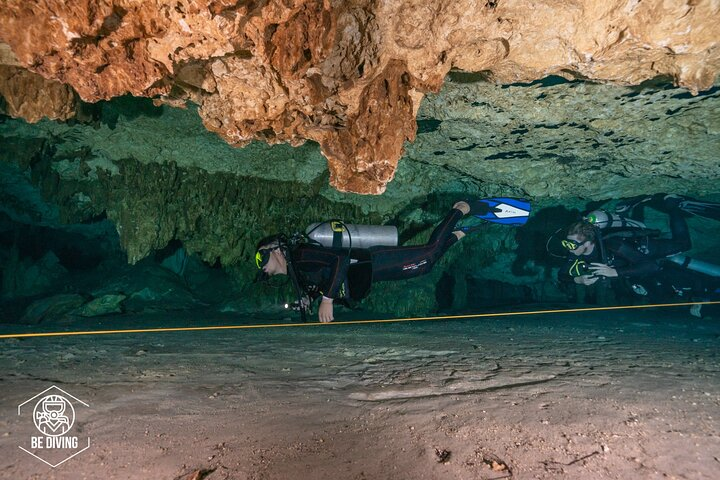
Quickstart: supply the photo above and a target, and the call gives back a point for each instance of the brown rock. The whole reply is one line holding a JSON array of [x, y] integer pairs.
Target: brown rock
[[347, 75], [372, 143], [28, 95], [7, 57]]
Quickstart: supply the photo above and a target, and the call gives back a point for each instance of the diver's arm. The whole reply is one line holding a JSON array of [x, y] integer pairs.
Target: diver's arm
[[603, 270], [585, 279], [333, 263], [639, 264], [338, 263], [563, 276]]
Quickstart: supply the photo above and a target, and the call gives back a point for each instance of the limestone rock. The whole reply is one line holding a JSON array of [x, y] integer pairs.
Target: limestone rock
[[348, 75], [7, 57], [159, 298], [557, 138], [106, 304], [23, 277], [51, 308], [31, 97]]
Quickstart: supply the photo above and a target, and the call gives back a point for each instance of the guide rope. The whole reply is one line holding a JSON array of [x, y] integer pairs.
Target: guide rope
[[352, 322]]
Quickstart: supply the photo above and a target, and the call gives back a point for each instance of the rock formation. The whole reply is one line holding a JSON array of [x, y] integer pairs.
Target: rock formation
[[28, 95], [348, 75]]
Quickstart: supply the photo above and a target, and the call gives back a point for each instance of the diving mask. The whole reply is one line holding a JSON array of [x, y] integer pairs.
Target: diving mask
[[262, 256], [572, 245]]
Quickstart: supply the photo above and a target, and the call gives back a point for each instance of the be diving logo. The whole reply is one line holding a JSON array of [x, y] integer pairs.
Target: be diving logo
[[53, 442]]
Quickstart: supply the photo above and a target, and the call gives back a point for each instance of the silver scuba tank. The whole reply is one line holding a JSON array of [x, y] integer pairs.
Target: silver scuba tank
[[335, 234], [603, 219], [696, 265]]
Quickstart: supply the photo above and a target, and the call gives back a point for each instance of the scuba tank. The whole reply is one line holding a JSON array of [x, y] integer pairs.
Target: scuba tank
[[609, 225], [615, 225], [611, 222], [696, 265], [337, 234], [605, 220]]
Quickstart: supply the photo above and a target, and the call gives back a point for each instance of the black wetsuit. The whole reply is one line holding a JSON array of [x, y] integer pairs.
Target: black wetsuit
[[341, 274], [637, 257]]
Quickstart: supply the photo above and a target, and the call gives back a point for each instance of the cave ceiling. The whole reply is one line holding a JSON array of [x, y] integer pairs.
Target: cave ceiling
[[549, 100]]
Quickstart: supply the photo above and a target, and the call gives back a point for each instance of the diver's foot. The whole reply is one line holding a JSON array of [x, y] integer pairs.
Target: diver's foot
[[470, 225], [481, 207], [696, 311], [459, 234], [626, 206], [463, 206]]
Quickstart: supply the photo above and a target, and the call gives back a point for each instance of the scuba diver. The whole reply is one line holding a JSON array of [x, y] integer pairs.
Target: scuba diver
[[606, 245], [339, 274]]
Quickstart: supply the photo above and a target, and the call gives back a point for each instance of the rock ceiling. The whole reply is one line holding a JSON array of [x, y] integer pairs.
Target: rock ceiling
[[351, 75]]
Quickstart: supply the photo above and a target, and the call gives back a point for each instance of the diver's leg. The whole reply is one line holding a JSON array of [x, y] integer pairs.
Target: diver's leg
[[680, 241], [638, 211], [601, 292], [696, 207], [627, 206], [679, 230], [445, 227], [451, 240], [397, 263]]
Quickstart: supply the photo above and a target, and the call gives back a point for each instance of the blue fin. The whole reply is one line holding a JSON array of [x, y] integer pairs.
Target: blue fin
[[502, 210]]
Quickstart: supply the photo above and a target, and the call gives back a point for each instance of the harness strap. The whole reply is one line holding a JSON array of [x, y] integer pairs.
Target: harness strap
[[296, 284], [338, 229]]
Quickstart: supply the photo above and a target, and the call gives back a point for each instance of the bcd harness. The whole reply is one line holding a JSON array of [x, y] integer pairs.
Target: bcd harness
[[356, 284], [639, 237]]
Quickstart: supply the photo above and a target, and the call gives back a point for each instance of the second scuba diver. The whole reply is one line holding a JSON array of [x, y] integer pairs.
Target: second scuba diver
[[607, 245]]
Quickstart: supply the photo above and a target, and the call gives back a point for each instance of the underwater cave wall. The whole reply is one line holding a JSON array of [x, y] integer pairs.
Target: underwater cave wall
[[218, 215], [160, 177], [221, 216]]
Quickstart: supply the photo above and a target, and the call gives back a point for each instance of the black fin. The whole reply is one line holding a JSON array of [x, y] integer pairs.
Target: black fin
[[702, 209]]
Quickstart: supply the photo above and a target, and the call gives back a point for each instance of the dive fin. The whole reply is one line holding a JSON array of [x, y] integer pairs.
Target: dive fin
[[502, 210], [702, 209], [626, 206]]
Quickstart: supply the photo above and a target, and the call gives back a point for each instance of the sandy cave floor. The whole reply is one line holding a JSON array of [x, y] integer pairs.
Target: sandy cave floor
[[619, 395]]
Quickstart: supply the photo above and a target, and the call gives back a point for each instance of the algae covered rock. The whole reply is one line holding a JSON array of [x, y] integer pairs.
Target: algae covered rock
[[23, 277], [104, 305], [52, 308]]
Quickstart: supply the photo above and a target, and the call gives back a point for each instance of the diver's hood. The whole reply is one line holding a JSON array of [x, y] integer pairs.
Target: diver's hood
[[261, 277]]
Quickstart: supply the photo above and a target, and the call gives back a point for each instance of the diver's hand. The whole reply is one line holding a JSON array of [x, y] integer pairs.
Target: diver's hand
[[325, 312], [603, 270], [586, 279]]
